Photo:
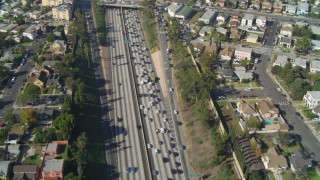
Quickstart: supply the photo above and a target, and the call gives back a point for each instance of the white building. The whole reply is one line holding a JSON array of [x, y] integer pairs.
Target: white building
[[30, 32], [208, 16], [247, 20], [299, 62], [315, 45], [311, 99], [281, 61], [221, 18], [291, 9], [303, 8], [173, 9], [286, 31], [314, 66], [261, 21]]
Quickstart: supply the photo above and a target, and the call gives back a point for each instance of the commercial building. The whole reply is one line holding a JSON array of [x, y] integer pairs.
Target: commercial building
[[208, 16], [184, 13], [247, 20], [62, 12], [173, 9]]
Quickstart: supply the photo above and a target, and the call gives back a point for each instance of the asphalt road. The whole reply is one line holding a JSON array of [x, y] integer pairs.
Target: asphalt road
[[129, 138], [164, 164]]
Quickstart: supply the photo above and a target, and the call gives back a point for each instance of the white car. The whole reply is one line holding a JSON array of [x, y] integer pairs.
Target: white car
[[165, 119], [163, 130], [248, 89], [170, 89], [279, 89], [175, 112], [221, 97], [149, 146], [141, 107]]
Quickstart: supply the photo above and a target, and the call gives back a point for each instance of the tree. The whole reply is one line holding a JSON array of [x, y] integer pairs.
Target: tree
[[30, 94], [71, 176], [43, 135], [298, 89], [69, 82], [303, 45], [254, 123], [19, 20], [81, 144], [28, 117], [284, 138], [39, 32], [257, 175], [64, 124], [3, 154], [50, 37], [9, 116]]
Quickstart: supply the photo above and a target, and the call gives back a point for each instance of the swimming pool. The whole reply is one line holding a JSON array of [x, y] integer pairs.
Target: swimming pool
[[267, 122]]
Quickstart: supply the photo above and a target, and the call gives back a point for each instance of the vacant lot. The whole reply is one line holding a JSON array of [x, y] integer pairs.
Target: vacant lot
[[230, 116]]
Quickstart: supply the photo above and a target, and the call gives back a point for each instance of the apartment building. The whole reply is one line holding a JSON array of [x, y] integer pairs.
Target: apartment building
[[62, 12], [52, 2]]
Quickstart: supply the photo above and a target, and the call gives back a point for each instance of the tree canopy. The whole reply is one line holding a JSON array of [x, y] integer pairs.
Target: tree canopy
[[28, 117], [30, 94]]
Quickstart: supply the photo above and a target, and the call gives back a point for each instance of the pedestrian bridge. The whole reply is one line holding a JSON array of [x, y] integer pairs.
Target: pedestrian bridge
[[124, 4]]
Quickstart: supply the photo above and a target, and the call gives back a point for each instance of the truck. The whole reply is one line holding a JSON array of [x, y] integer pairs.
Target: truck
[[153, 78]]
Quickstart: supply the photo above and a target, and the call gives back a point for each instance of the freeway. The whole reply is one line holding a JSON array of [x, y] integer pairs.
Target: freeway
[[172, 99], [167, 163], [125, 117]]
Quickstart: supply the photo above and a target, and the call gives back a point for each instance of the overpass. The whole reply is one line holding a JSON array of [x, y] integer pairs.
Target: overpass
[[111, 3]]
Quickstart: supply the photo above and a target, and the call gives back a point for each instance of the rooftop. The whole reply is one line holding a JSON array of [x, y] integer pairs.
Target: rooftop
[[185, 11], [304, 6], [299, 62], [53, 165], [315, 29], [274, 160], [244, 49], [286, 40], [174, 7], [52, 147], [62, 7], [208, 14], [261, 18], [314, 94], [25, 168], [248, 16], [281, 61], [315, 64]]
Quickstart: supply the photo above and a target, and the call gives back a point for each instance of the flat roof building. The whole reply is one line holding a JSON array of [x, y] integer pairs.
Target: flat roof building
[[62, 12], [208, 16], [184, 13]]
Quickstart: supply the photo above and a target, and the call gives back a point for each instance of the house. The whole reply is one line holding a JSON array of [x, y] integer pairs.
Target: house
[[53, 81], [26, 172], [30, 32], [299, 162], [228, 75], [227, 53], [49, 64], [303, 8], [4, 167], [222, 18], [208, 16], [8, 56], [35, 14], [267, 110], [198, 48], [299, 62], [220, 3], [52, 149], [252, 38], [291, 9], [285, 42], [41, 80], [234, 21], [266, 5], [236, 33], [286, 31], [255, 4], [45, 116], [205, 30], [222, 30], [247, 109], [301, 24], [8, 28], [212, 49], [243, 4], [315, 45], [184, 13], [243, 74], [281, 61], [311, 99], [314, 66], [277, 8], [247, 20], [243, 53], [51, 2], [250, 158], [274, 162], [173, 9], [315, 29], [58, 47], [52, 169], [13, 150], [261, 21], [316, 110], [62, 12]]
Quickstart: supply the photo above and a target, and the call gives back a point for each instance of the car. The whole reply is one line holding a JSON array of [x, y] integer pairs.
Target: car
[[248, 89], [175, 112], [157, 130], [157, 151], [182, 147], [155, 172], [168, 152], [149, 146], [165, 119], [279, 89], [141, 107], [221, 97], [170, 89], [160, 142], [128, 169], [163, 130]]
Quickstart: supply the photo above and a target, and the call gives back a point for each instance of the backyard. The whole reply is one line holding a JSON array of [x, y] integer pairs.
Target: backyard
[[230, 117]]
